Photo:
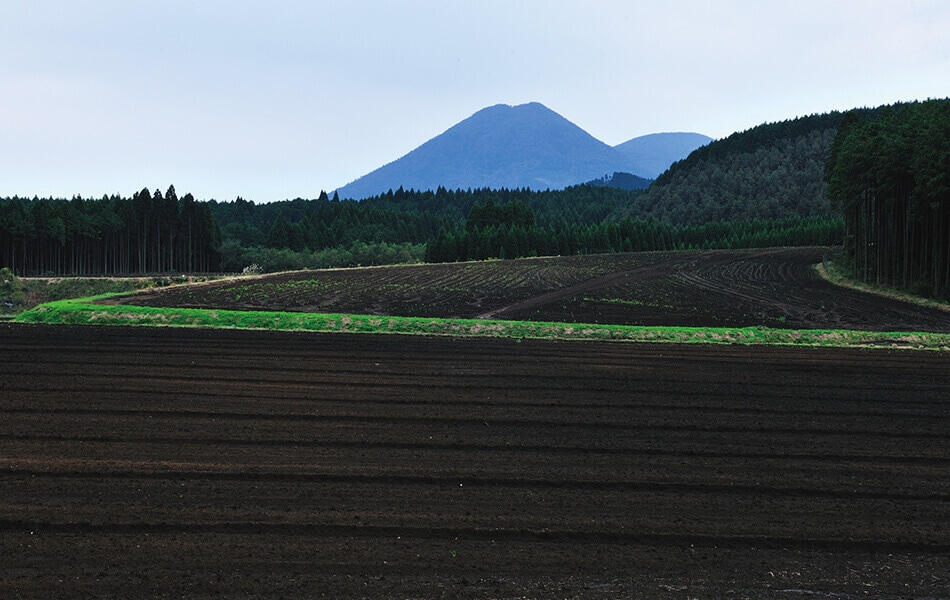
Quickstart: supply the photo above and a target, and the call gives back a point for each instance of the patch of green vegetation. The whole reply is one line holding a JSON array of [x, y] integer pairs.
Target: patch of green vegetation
[[620, 301], [83, 311], [18, 294], [12, 296], [835, 273], [50, 290]]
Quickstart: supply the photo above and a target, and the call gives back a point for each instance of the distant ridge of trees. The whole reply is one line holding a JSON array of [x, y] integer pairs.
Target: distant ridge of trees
[[889, 173], [155, 232], [511, 233], [626, 181], [332, 232]]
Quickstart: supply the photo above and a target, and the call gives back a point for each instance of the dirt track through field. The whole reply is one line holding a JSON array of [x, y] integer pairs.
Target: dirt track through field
[[158, 462]]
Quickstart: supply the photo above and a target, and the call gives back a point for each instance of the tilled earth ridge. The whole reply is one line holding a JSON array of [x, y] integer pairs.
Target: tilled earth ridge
[[181, 462]]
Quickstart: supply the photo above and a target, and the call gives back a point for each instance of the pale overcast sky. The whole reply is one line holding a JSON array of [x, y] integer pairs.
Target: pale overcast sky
[[275, 99]]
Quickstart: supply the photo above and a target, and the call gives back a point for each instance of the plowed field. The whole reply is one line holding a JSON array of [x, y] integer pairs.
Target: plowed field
[[142, 462], [776, 288]]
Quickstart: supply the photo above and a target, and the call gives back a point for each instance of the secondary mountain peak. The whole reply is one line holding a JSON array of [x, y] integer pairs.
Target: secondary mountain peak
[[500, 146], [654, 153]]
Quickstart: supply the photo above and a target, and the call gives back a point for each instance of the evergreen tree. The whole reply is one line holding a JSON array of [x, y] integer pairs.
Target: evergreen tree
[[279, 234]]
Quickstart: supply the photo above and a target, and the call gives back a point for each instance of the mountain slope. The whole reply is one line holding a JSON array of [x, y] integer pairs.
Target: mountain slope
[[650, 155], [526, 146], [773, 171]]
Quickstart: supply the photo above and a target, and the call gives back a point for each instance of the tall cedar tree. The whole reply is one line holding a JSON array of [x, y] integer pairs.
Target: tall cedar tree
[[890, 175]]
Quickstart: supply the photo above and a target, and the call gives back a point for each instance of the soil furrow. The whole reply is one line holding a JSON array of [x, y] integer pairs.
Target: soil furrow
[[924, 411], [632, 487], [632, 466], [502, 535]]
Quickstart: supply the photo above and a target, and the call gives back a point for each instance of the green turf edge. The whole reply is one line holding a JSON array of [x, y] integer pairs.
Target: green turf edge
[[835, 278], [82, 312]]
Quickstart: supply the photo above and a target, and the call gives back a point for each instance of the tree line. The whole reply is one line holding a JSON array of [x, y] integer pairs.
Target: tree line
[[889, 173], [493, 231], [150, 232], [393, 226]]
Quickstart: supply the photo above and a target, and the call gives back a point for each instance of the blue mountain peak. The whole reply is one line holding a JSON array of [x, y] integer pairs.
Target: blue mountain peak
[[500, 146]]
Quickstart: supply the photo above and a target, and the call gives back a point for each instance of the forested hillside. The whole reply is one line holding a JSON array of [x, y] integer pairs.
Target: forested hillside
[[889, 172], [773, 171]]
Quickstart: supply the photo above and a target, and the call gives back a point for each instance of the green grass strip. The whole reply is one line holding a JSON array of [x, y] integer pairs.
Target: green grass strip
[[83, 312], [834, 276]]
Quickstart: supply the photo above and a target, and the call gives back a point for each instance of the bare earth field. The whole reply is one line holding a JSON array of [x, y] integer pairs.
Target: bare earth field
[[776, 288], [149, 462]]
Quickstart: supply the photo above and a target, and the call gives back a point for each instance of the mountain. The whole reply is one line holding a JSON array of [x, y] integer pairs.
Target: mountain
[[526, 146], [650, 155]]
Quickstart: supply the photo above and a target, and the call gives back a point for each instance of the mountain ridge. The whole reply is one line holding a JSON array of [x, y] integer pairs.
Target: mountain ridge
[[502, 146]]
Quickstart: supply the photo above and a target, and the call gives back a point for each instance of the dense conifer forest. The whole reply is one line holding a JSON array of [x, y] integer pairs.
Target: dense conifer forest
[[510, 231], [773, 171], [150, 232], [889, 173], [448, 226], [155, 232]]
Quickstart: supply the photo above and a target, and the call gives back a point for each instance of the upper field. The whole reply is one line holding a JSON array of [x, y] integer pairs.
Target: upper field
[[777, 288]]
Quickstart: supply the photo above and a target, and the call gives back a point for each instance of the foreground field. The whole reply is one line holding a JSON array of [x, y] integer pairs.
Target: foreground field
[[777, 288], [182, 462]]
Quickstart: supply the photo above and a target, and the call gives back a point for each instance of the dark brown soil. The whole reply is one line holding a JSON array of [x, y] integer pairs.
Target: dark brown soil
[[193, 463], [775, 288], [736, 288]]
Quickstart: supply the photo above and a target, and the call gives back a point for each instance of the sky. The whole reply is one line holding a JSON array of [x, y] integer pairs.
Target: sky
[[279, 99]]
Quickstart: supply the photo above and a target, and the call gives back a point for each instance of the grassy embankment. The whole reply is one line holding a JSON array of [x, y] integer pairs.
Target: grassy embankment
[[24, 293], [837, 275], [83, 311]]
